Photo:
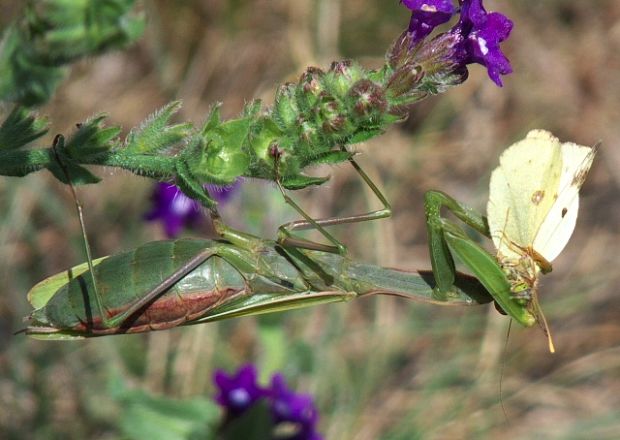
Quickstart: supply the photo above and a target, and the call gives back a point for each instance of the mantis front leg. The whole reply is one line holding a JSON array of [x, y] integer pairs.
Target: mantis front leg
[[445, 237]]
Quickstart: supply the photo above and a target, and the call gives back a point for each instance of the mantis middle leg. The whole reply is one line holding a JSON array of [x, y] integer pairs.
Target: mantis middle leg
[[288, 239]]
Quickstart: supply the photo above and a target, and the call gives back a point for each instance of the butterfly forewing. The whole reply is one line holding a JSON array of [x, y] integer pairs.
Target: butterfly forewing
[[522, 189]]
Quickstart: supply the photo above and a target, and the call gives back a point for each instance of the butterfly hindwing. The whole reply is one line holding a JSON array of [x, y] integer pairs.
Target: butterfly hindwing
[[557, 227]]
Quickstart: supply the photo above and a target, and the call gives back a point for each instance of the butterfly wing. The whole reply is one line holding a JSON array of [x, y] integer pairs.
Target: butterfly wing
[[521, 190], [558, 225]]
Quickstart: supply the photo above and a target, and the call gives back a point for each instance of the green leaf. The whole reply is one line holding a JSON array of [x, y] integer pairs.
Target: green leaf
[[77, 174], [213, 120], [364, 134], [331, 158], [301, 181], [254, 424], [91, 139], [155, 418], [53, 33], [285, 109], [223, 157], [154, 134], [251, 110], [20, 128]]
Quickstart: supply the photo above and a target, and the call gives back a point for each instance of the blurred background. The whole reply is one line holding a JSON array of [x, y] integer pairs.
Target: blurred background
[[379, 368]]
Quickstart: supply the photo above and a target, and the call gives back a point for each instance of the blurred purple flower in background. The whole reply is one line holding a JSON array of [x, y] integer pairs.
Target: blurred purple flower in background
[[239, 391], [173, 209], [176, 211], [294, 408], [223, 194]]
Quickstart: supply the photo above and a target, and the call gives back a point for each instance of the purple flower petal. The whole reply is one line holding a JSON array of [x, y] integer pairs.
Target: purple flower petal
[[288, 406], [173, 208], [426, 15], [239, 391], [176, 211], [223, 194], [482, 34]]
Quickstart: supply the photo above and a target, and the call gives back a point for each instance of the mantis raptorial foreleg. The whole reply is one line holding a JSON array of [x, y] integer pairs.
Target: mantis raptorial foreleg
[[288, 239], [445, 237]]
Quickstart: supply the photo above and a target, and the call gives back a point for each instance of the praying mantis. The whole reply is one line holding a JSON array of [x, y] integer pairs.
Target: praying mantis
[[194, 281], [165, 284]]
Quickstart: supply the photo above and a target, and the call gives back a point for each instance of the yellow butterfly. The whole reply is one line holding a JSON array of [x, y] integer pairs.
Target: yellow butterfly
[[532, 209]]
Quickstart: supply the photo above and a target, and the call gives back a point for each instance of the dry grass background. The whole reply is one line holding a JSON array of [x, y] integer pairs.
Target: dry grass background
[[379, 368]]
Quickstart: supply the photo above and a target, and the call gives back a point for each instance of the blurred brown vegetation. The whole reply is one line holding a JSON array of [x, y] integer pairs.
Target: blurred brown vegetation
[[380, 369]]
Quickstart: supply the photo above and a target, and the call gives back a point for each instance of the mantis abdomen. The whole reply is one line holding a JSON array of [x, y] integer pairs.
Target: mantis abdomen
[[124, 278]]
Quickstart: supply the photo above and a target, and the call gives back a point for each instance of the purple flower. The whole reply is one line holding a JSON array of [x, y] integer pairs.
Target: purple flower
[[475, 38], [239, 391], [297, 409], [176, 211], [426, 15], [173, 208], [482, 33]]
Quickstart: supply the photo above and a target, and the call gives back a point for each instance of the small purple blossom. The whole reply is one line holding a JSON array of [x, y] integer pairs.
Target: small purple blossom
[[483, 32], [238, 391], [173, 208], [475, 38], [298, 409], [176, 211], [426, 15]]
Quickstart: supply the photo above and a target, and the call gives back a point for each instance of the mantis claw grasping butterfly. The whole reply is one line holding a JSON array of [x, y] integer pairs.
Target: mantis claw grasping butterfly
[[531, 214]]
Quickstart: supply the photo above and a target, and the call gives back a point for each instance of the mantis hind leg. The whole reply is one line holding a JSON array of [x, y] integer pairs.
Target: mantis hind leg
[[286, 237]]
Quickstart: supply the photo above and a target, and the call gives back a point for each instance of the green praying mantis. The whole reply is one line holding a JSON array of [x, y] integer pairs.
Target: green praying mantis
[[194, 281], [165, 284]]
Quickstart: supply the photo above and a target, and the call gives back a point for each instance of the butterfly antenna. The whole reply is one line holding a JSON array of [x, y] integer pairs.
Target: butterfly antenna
[[545, 325], [501, 371]]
